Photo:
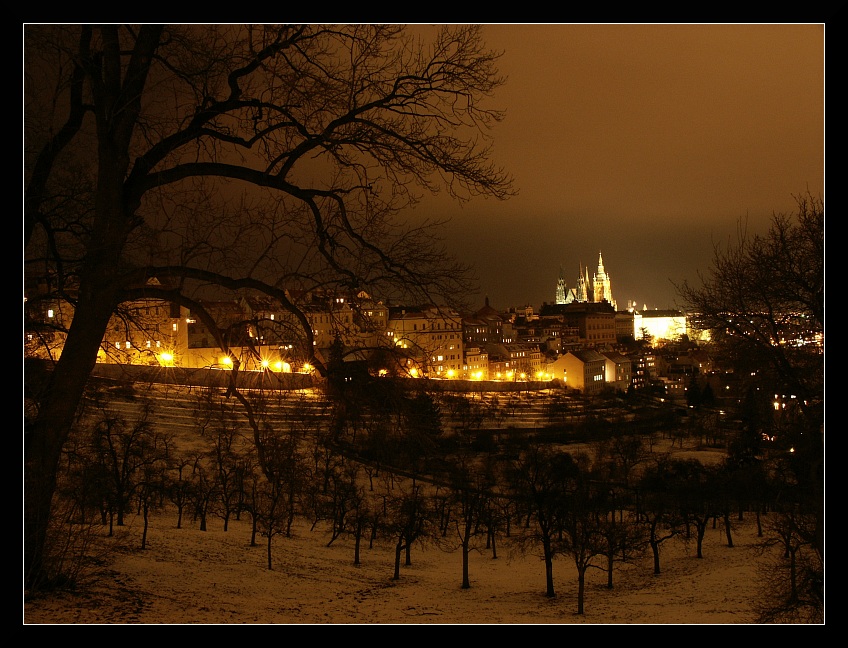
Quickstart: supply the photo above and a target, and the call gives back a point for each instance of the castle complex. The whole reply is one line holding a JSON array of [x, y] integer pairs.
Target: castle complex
[[595, 290]]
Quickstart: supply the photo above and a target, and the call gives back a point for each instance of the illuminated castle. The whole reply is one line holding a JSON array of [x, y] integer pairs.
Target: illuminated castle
[[595, 290]]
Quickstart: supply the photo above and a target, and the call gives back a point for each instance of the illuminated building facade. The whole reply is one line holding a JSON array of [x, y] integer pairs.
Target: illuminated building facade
[[597, 289], [146, 331], [584, 370], [593, 322], [659, 325], [431, 336]]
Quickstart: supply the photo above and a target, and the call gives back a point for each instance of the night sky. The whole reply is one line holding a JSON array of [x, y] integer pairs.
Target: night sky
[[648, 143]]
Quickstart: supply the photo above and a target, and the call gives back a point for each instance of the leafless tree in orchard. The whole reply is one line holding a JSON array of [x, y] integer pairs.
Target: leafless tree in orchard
[[468, 495], [278, 496], [793, 574], [178, 487], [226, 459], [657, 508], [618, 526], [123, 449], [539, 479], [229, 159], [585, 534], [407, 519], [204, 489], [151, 483]]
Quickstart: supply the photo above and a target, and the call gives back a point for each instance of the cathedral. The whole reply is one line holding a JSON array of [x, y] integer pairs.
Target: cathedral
[[595, 290]]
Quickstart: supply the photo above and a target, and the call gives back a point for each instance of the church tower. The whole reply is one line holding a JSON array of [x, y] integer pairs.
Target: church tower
[[583, 285], [601, 283], [560, 290]]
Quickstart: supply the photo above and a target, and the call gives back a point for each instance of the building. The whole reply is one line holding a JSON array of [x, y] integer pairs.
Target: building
[[146, 330], [659, 325], [595, 322], [618, 370], [643, 368], [598, 289], [584, 370], [516, 361], [432, 339], [476, 364], [486, 326]]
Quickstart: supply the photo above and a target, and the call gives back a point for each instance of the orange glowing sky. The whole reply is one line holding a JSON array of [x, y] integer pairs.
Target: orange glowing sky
[[647, 142]]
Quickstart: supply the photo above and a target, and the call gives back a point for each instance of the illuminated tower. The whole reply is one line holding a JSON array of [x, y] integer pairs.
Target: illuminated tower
[[601, 283], [560, 291], [583, 285]]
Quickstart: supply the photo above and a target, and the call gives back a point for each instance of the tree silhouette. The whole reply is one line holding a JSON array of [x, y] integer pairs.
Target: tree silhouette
[[763, 303], [272, 159]]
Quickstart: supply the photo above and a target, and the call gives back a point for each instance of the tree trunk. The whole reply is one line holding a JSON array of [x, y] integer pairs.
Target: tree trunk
[[270, 535], [581, 588], [357, 542], [549, 571], [466, 584], [398, 550], [655, 549], [99, 283], [145, 512], [727, 530], [43, 441]]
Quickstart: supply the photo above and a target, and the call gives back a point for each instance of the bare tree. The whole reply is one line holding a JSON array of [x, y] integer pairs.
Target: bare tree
[[205, 489], [469, 496], [585, 533], [267, 158], [657, 505], [278, 495], [178, 487], [125, 450], [539, 480], [762, 302], [794, 576], [407, 519], [227, 461]]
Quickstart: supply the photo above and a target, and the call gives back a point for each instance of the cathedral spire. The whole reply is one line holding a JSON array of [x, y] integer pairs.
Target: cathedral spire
[[602, 289], [560, 289]]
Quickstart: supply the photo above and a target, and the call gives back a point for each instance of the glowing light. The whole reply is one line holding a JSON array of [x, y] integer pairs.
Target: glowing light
[[307, 368], [382, 372], [227, 361], [265, 363], [166, 359]]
